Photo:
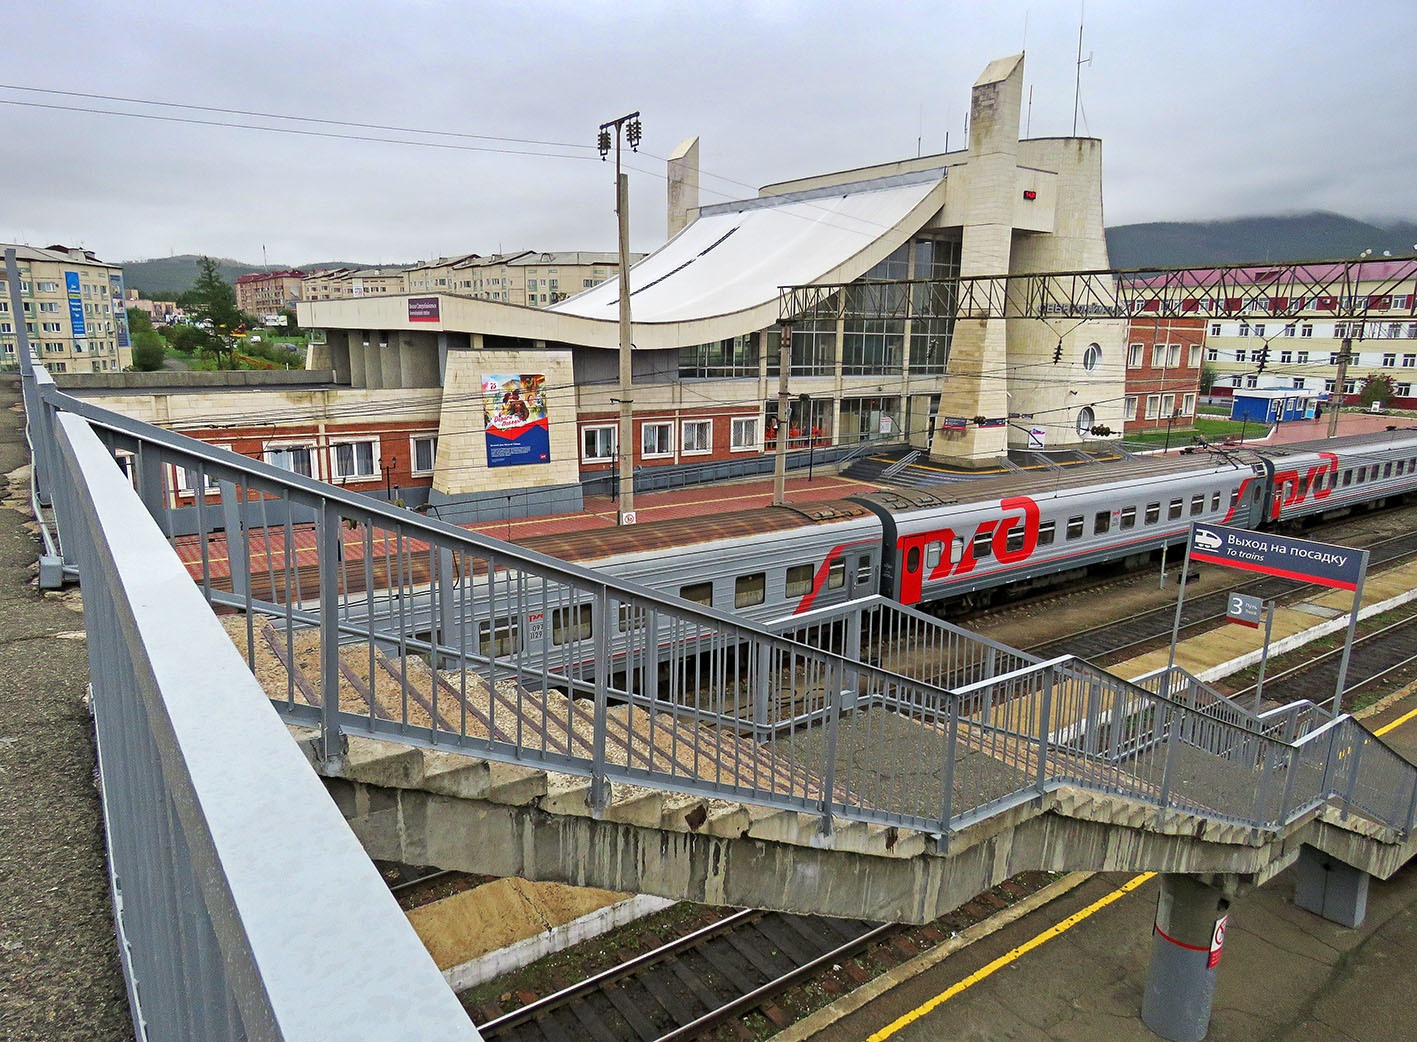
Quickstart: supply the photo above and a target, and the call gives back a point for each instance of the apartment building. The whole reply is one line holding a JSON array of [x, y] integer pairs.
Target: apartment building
[[73, 311], [341, 283], [1300, 349], [1164, 360], [529, 277], [269, 292]]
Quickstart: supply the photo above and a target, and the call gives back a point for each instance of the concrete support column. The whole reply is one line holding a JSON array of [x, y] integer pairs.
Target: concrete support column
[[1331, 888], [1187, 938]]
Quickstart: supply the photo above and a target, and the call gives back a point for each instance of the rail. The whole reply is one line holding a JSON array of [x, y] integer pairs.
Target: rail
[[245, 908], [362, 618]]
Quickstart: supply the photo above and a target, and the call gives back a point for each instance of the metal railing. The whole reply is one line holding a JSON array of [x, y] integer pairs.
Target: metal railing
[[359, 617], [245, 908]]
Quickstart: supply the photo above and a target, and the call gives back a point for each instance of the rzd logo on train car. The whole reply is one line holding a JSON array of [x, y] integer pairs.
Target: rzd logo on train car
[[1290, 489], [1013, 538]]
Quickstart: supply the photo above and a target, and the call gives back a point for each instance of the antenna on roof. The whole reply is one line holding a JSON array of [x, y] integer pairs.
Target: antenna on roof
[[1077, 82]]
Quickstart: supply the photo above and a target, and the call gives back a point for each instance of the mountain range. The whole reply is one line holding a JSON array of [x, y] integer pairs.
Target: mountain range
[[1162, 244]]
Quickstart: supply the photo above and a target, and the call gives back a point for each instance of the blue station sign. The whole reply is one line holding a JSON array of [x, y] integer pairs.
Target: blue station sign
[[1301, 559]]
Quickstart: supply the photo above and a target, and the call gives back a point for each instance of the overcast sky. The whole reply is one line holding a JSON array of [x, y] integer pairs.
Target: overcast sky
[[1204, 109]]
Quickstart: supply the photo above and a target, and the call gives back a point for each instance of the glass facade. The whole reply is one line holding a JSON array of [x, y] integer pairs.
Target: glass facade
[[736, 356]]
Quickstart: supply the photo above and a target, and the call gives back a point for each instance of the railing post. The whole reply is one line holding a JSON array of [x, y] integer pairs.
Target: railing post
[[152, 490], [238, 560], [762, 690], [852, 652], [328, 537], [1292, 772], [1093, 723], [447, 611], [599, 791], [1172, 740], [1357, 748], [947, 774], [1045, 726], [829, 779]]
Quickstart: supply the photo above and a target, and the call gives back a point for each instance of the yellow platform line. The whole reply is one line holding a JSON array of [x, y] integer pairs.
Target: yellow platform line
[[1040, 939]]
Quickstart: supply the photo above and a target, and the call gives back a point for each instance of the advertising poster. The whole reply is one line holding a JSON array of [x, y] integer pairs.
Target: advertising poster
[[76, 303], [120, 316], [514, 411]]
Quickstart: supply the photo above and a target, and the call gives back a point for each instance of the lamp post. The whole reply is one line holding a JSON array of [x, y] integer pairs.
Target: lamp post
[[628, 127]]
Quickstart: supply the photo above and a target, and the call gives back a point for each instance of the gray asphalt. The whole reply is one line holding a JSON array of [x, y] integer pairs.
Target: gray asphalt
[[59, 975]]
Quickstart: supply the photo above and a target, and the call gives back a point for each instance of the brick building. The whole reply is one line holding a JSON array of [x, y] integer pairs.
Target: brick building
[[268, 292], [1163, 360]]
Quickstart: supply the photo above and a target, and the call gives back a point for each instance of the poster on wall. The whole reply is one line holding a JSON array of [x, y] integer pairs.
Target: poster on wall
[[514, 411]]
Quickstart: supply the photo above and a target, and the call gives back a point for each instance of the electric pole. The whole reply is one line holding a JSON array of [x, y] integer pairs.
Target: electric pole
[[784, 414], [1345, 350], [630, 125]]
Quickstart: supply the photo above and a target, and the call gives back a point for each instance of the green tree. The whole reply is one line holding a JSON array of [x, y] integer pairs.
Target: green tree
[[147, 351], [212, 302], [1208, 375], [139, 321], [1377, 387], [292, 325], [189, 339]]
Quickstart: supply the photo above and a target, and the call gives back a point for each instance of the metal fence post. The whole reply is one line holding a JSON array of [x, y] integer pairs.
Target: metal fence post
[[599, 791], [1357, 748], [1293, 773], [1045, 725], [447, 611], [762, 689], [1172, 740], [328, 537], [833, 719], [238, 563], [947, 774]]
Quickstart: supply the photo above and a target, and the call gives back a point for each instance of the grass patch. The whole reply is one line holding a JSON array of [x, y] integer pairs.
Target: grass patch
[[1211, 428]]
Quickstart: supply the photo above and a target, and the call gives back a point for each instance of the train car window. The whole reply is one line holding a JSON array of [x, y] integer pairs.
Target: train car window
[[1215, 502], [799, 578], [932, 554], [1399, 467], [1175, 510], [702, 593], [1045, 533], [1347, 478], [1362, 475], [749, 590], [836, 576], [863, 570], [1387, 470], [1373, 472], [1234, 497], [1075, 527], [497, 637], [1197, 505], [568, 624], [1014, 543], [912, 560], [633, 618], [983, 545], [1102, 522], [1153, 513], [1129, 518]]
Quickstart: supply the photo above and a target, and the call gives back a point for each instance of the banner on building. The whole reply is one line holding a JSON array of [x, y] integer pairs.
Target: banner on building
[[514, 411], [423, 309], [76, 303], [120, 314]]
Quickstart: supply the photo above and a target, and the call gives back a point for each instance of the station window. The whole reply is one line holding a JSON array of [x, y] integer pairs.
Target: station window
[[750, 589], [1128, 518], [570, 624], [1046, 531], [1075, 527], [983, 545], [1153, 513], [1176, 509], [1102, 522], [702, 593], [1197, 505], [799, 576]]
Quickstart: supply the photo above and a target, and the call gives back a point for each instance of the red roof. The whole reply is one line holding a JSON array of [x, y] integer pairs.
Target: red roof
[[261, 276]]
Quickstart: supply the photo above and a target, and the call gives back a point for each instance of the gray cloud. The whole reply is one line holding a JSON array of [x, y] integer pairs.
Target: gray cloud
[[1206, 110]]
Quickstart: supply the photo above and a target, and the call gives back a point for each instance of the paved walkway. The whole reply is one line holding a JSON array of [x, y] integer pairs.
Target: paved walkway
[[59, 976]]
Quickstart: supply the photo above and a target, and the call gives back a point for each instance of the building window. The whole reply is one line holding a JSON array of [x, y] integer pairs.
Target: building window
[[1289, 329], [353, 460], [1404, 390], [1285, 357], [1241, 355], [1244, 329], [1158, 356], [744, 433], [1215, 329], [598, 444], [1306, 330], [1252, 381], [1092, 357], [1134, 355], [1389, 361], [1298, 383], [1168, 405], [298, 459], [1195, 357], [51, 327], [1173, 356], [51, 306], [1188, 406], [1131, 412], [425, 453], [656, 440], [736, 356], [1212, 354], [1153, 405], [1259, 329], [1408, 361], [697, 437], [1086, 420], [53, 287], [1303, 358]]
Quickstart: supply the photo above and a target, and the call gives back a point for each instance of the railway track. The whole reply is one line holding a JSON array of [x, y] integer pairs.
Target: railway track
[[750, 963], [1140, 632], [1376, 655]]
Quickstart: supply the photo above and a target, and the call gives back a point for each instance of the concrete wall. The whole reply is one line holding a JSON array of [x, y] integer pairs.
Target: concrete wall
[[274, 379]]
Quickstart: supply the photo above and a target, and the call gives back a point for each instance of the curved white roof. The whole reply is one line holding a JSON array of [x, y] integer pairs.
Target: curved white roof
[[737, 255]]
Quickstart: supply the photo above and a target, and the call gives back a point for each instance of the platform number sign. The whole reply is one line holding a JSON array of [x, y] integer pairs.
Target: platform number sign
[[1244, 610], [1217, 942]]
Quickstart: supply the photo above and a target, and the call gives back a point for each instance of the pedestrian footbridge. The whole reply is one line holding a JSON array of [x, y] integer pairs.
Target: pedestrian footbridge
[[473, 705]]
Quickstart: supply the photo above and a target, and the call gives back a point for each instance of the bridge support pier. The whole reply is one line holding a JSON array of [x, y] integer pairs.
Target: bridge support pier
[[1187, 938], [1331, 888]]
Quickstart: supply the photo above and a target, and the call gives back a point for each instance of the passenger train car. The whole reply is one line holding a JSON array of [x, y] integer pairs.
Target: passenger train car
[[958, 544]]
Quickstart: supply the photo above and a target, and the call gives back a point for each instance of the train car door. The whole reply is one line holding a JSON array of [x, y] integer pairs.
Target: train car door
[[860, 575]]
